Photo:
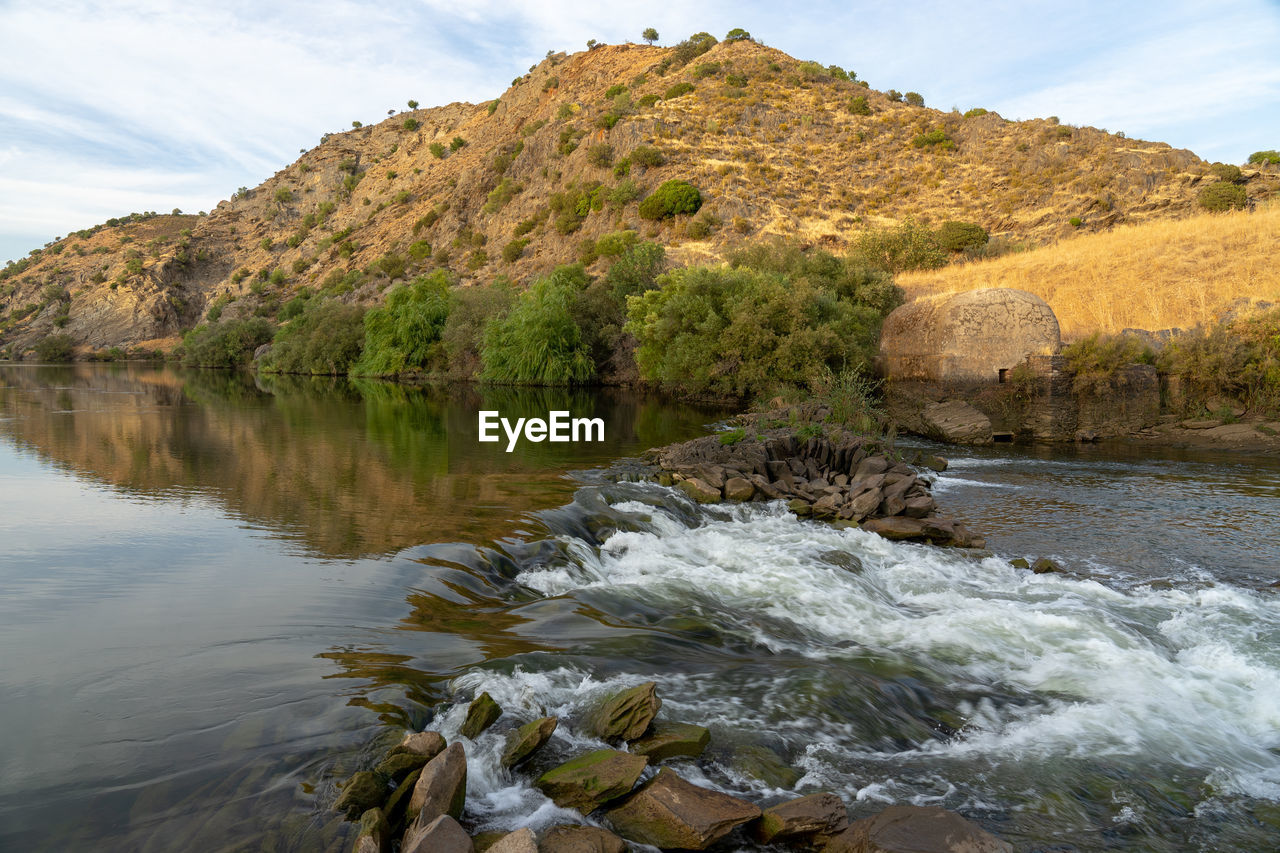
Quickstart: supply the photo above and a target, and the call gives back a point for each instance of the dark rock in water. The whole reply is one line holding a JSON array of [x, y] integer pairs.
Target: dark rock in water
[[442, 835], [1019, 563], [399, 765], [482, 841], [800, 507], [429, 744], [580, 839], [481, 714], [591, 780], [442, 787], [816, 814], [624, 715], [364, 790], [699, 490], [526, 740], [670, 813], [375, 833], [739, 489], [762, 763], [933, 463], [916, 829], [669, 740], [1044, 566], [933, 530], [957, 422], [520, 841], [397, 807]]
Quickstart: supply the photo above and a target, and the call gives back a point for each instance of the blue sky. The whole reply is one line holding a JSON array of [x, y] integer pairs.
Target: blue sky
[[112, 107]]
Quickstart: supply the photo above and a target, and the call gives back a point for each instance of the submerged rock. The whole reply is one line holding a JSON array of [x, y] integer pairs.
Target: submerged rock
[[580, 839], [916, 829], [481, 714], [1044, 566], [442, 835], [398, 765], [528, 739], [816, 814], [589, 781], [625, 715], [442, 787], [670, 813], [765, 765], [671, 740], [364, 790], [375, 833]]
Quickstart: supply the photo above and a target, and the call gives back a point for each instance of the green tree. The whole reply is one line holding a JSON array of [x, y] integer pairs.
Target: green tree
[[650, 35], [539, 342], [404, 334], [413, 105], [327, 337], [737, 34]]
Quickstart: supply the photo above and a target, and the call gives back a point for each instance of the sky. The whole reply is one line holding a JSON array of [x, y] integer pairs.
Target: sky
[[132, 105]]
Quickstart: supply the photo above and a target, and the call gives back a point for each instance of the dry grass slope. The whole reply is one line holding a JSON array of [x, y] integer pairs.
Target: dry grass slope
[[1154, 275]]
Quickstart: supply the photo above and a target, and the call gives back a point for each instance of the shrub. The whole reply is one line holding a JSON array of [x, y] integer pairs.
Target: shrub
[[538, 342], [402, 197], [1075, 222], [1225, 172], [675, 91], [514, 249], [975, 112], [55, 349], [569, 137], [737, 34], [959, 236], [706, 69], [648, 100], [909, 246], [391, 265], [600, 155], [501, 195], [614, 244], [1221, 195], [934, 139], [284, 195], [493, 106], [477, 259], [230, 343], [575, 203], [606, 121], [672, 198], [635, 271], [647, 156], [894, 95], [614, 90], [1096, 359], [531, 223], [291, 309], [471, 310], [858, 105], [419, 250], [404, 334], [325, 338], [1259, 158], [624, 193], [410, 124], [437, 150], [915, 99], [457, 143]]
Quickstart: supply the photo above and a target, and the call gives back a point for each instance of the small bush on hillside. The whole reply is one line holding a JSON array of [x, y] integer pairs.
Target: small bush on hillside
[[327, 337], [648, 100], [614, 244], [737, 34], [437, 150], [894, 95], [614, 91], [672, 198], [230, 343], [284, 195], [909, 246], [1225, 172], [457, 143], [404, 334], [410, 124], [1259, 158], [419, 250], [915, 99], [858, 106], [975, 112], [959, 236], [55, 349], [934, 139], [514, 249], [706, 69], [1096, 359], [538, 342], [502, 195], [647, 156], [677, 90], [600, 155], [1221, 195], [635, 271]]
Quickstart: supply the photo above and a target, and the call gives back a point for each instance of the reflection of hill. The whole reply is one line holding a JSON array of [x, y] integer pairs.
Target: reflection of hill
[[346, 469]]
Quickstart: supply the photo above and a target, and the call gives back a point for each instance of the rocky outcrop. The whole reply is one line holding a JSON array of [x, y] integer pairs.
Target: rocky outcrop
[[916, 829], [591, 780]]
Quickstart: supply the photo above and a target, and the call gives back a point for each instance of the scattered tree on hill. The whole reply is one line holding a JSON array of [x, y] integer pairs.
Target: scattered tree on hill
[[1271, 157], [413, 105], [915, 99], [650, 35], [737, 34]]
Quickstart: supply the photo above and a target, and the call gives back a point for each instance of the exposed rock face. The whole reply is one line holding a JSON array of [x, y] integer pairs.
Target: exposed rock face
[[481, 714], [442, 787], [591, 780], [967, 337], [816, 814], [442, 835], [526, 740], [916, 829], [670, 813], [580, 839], [625, 715], [957, 422]]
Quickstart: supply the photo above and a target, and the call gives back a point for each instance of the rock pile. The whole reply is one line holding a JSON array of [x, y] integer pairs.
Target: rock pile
[[839, 477], [418, 794]]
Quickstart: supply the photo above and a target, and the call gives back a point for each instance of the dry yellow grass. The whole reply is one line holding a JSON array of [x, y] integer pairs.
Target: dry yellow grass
[[1155, 275]]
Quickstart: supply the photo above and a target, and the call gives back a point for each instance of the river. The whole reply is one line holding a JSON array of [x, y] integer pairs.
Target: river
[[223, 595]]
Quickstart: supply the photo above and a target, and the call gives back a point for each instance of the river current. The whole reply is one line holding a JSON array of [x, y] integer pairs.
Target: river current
[[221, 596]]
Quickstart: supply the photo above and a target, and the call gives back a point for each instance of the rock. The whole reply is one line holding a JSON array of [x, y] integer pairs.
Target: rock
[[892, 505], [375, 833], [520, 841], [699, 490], [429, 744], [957, 422], [399, 765], [816, 814], [762, 763], [526, 740], [1201, 424], [1044, 566], [933, 463], [442, 787], [919, 507], [897, 528], [800, 507], [869, 466], [363, 791], [863, 505], [396, 809], [625, 715], [739, 489], [712, 475], [669, 740], [580, 839], [441, 835], [482, 841], [590, 780], [916, 829], [669, 812], [1019, 563], [481, 714], [826, 506]]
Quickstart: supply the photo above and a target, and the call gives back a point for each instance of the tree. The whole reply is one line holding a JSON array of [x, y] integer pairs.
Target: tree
[[357, 124], [650, 35], [737, 34], [915, 99], [413, 105], [592, 44]]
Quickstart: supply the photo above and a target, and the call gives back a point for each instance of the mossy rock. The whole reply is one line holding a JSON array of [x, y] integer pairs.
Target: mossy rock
[[765, 765], [363, 791], [589, 781], [375, 832], [481, 714], [399, 765], [527, 739], [672, 740], [625, 715]]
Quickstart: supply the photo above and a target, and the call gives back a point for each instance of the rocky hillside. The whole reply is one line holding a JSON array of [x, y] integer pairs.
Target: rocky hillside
[[532, 179]]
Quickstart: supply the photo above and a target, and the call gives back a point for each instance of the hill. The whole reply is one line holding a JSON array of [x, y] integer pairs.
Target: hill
[[515, 186]]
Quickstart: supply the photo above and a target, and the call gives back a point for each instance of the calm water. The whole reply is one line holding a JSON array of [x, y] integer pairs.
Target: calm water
[[220, 597]]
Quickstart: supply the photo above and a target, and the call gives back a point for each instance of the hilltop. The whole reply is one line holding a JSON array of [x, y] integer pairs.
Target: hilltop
[[515, 186]]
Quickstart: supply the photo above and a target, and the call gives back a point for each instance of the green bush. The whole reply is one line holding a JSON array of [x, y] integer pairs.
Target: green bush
[[410, 124], [647, 156], [55, 349], [959, 236], [404, 334], [327, 337], [1225, 172], [402, 197], [291, 309], [437, 150], [230, 343], [909, 246], [624, 193], [737, 34], [606, 121], [635, 271], [706, 69], [858, 106], [1259, 158], [1075, 222], [894, 95], [975, 112], [501, 195], [284, 195], [934, 139], [419, 250], [648, 100], [613, 244], [457, 143], [915, 99], [849, 278], [514, 249], [574, 203], [672, 198], [600, 155], [538, 342], [1094, 360], [675, 91], [614, 91], [471, 310], [1221, 195], [391, 265]]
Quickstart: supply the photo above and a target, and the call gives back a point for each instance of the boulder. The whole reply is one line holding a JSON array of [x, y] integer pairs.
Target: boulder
[[869, 466], [441, 835], [800, 507], [739, 489], [1044, 566], [862, 506], [671, 740], [481, 713], [957, 422], [520, 841], [429, 744], [442, 787], [375, 833], [399, 765], [699, 490], [363, 791], [528, 739], [669, 812], [1019, 563], [580, 839], [397, 807], [816, 814], [625, 715], [919, 507], [762, 763], [590, 780], [916, 829]]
